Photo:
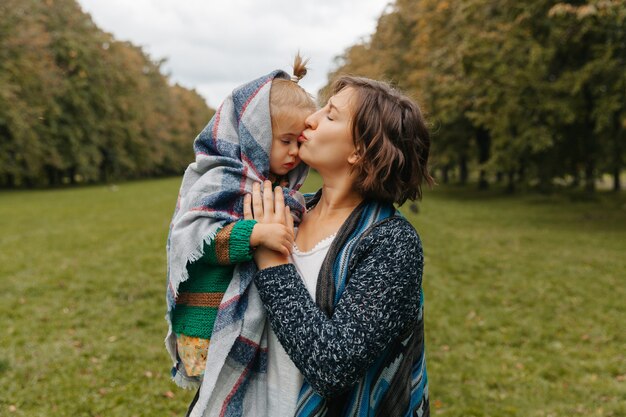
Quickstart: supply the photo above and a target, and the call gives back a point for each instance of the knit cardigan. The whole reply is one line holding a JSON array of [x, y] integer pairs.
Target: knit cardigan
[[379, 316]]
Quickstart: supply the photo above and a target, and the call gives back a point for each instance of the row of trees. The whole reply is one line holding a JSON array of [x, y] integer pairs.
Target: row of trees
[[78, 106], [530, 93]]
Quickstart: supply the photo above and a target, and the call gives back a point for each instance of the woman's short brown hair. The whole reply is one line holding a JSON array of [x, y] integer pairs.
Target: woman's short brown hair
[[391, 139]]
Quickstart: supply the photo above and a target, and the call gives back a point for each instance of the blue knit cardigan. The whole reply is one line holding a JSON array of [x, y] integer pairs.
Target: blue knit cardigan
[[360, 345]]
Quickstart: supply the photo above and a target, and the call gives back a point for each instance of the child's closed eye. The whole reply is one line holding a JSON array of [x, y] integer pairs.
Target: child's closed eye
[[289, 139]]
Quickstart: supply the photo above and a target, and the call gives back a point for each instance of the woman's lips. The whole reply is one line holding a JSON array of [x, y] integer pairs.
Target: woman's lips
[[302, 138]]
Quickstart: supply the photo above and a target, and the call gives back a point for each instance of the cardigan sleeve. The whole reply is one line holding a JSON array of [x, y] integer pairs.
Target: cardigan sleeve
[[231, 244], [379, 301]]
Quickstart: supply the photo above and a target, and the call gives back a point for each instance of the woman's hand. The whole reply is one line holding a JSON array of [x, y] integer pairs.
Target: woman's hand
[[275, 233]]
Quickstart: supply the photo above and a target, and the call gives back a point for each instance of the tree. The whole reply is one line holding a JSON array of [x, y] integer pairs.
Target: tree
[[78, 106]]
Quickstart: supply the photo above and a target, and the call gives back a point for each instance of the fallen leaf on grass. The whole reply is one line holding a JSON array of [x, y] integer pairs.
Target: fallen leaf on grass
[[168, 394]]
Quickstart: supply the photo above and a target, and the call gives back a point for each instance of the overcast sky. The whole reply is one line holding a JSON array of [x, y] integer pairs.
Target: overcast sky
[[214, 46]]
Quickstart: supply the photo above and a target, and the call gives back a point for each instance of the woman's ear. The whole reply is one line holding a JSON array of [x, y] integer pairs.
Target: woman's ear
[[354, 158]]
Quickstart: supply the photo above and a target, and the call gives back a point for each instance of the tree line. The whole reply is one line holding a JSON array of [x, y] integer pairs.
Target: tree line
[[527, 94], [76, 105]]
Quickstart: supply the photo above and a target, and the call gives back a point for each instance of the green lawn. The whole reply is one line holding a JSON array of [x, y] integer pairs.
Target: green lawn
[[524, 296]]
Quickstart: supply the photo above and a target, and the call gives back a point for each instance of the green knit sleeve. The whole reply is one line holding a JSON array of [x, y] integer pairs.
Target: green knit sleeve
[[240, 250], [231, 244]]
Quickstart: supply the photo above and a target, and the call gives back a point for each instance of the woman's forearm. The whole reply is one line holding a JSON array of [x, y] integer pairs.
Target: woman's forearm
[[380, 300]]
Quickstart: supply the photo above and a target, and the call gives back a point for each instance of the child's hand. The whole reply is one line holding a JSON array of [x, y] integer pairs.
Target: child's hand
[[273, 236]]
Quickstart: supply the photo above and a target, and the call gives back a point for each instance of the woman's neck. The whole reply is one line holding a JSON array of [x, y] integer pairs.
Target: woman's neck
[[338, 199], [335, 205]]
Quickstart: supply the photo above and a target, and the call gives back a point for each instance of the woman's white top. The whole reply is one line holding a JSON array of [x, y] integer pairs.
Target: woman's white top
[[284, 379]]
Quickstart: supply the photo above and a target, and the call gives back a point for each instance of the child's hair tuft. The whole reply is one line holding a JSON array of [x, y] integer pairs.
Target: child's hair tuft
[[286, 95], [299, 66]]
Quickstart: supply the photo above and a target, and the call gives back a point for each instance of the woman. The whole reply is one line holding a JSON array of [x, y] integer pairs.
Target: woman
[[349, 310]]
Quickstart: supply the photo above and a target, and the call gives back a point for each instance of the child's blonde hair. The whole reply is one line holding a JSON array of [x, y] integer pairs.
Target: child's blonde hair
[[287, 96]]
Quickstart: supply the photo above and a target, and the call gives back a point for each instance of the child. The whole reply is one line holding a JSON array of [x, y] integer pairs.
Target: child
[[252, 137]]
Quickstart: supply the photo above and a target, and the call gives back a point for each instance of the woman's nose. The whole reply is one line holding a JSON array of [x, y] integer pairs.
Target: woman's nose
[[311, 121]]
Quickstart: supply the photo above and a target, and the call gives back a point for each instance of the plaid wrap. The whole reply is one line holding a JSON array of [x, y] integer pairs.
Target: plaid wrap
[[232, 153]]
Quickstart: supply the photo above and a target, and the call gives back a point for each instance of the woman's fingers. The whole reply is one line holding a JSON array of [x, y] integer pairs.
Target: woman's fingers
[[279, 204], [289, 221], [268, 201], [247, 207], [268, 207], [257, 201]]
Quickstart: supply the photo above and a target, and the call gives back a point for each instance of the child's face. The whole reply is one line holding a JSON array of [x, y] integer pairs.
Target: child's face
[[286, 128]]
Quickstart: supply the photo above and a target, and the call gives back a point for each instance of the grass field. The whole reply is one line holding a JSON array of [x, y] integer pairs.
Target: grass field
[[524, 300]]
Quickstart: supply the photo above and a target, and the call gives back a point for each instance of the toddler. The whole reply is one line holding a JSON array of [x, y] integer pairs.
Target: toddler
[[252, 137]]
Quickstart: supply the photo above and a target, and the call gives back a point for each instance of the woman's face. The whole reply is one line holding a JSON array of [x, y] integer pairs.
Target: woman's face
[[327, 144]]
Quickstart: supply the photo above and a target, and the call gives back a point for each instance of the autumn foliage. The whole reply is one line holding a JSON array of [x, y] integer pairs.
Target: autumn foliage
[[529, 94], [76, 105]]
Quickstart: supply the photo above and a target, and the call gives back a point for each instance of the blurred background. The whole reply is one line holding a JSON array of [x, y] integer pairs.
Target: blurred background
[[524, 234]]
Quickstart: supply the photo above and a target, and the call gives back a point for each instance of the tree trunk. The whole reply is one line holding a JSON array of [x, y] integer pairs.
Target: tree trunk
[[590, 145], [104, 176], [483, 184], [54, 176], [521, 172], [483, 140], [463, 174], [618, 140], [72, 174], [590, 179], [10, 180], [445, 174], [576, 178], [544, 174], [510, 185]]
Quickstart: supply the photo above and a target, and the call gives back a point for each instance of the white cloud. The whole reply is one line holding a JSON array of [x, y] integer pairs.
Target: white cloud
[[214, 46]]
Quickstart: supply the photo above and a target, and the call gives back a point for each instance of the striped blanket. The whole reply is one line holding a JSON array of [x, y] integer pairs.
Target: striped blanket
[[232, 153]]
